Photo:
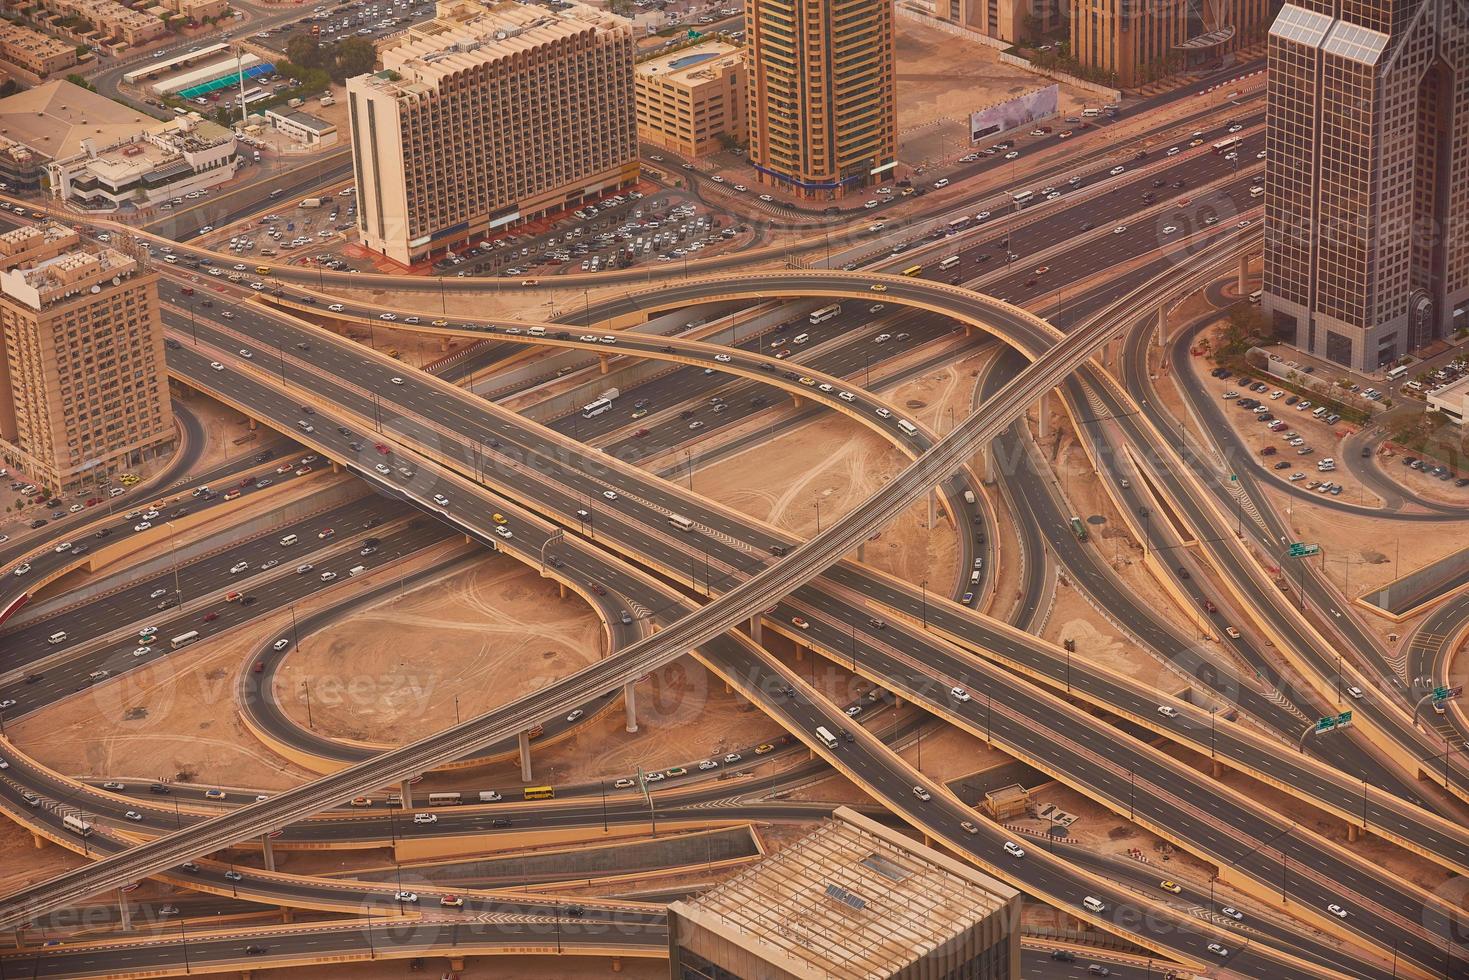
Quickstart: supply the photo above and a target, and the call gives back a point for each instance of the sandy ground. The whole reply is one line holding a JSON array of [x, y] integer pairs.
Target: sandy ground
[[480, 638], [942, 78], [25, 864], [776, 482]]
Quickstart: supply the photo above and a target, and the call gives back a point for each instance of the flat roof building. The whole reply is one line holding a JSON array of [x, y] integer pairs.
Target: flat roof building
[[52, 120], [302, 127], [34, 52], [487, 117], [852, 899], [692, 101], [110, 22], [822, 94], [145, 168], [83, 384]]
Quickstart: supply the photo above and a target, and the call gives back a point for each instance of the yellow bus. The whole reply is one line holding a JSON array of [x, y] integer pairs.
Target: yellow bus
[[913, 270], [540, 793]]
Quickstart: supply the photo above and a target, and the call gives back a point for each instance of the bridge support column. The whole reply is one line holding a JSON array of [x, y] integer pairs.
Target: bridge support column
[[443, 344], [267, 853], [288, 914], [456, 963], [251, 424], [1217, 769], [982, 463], [630, 706], [1354, 833], [795, 400], [561, 587], [405, 794], [756, 630], [1161, 326], [37, 840], [617, 964], [602, 363], [336, 467], [862, 551], [124, 911], [800, 652], [1043, 414], [524, 739], [1244, 274], [468, 539]]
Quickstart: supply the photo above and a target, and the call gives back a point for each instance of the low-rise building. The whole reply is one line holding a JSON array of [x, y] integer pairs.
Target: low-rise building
[[1452, 400], [850, 899], [143, 169], [83, 385], [50, 121], [111, 22], [302, 127], [693, 100], [33, 52]]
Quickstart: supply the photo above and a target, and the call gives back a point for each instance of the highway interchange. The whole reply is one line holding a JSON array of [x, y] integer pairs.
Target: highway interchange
[[483, 461]]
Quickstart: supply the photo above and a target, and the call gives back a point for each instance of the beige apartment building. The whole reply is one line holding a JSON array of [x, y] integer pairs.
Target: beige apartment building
[[83, 385], [822, 98], [111, 21], [34, 52], [487, 117], [693, 100], [1132, 43]]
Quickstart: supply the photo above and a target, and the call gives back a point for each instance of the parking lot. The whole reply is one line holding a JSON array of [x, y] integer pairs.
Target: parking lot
[[615, 233], [347, 20]]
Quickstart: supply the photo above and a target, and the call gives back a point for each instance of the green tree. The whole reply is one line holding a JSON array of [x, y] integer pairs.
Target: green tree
[[303, 50], [81, 82], [354, 56]]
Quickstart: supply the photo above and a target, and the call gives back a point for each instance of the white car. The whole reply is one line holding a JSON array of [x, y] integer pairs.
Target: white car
[[336, 307], [958, 694], [1116, 170], [1167, 711], [142, 651], [625, 783], [405, 896], [134, 816], [142, 525], [425, 818], [22, 568], [396, 380], [504, 531], [63, 546], [1337, 911], [1014, 850], [280, 644], [441, 500], [1119, 230], [215, 365], [610, 494], [708, 764], [722, 358], [246, 354], [1169, 229], [1218, 950], [846, 396], [1233, 913], [922, 793], [575, 715]]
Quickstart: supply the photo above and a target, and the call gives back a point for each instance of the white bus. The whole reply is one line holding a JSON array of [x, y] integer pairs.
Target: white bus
[[827, 738], [595, 408], [681, 522], [949, 262], [1023, 198], [76, 825], [908, 428], [960, 223], [1397, 372], [444, 799], [183, 639], [825, 313]]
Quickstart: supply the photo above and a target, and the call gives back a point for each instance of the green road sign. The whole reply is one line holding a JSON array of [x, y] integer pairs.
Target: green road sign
[[1299, 549], [1325, 724], [1344, 719], [1332, 722]]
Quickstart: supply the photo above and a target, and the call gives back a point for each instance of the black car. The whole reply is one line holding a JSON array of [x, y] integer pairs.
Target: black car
[[103, 532], [39, 522]]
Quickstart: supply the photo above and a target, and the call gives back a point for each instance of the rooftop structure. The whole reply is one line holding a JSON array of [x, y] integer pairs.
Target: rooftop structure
[[692, 100], [852, 899], [34, 52], [143, 168]]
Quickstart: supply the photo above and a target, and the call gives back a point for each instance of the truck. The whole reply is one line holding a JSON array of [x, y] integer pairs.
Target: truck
[[294, 103], [311, 202], [611, 394], [969, 496]]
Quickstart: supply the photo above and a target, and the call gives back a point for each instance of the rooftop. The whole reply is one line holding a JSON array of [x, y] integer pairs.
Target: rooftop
[[59, 278], [466, 35], [851, 899], [689, 66], [54, 118], [305, 119]]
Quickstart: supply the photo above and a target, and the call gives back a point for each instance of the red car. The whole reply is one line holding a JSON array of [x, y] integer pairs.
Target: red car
[[380, 447], [325, 533], [210, 617]]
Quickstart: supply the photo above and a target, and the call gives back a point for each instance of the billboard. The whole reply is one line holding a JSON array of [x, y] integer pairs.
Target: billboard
[[1014, 113]]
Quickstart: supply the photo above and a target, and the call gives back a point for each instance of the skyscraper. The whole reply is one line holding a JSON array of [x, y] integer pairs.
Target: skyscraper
[[1367, 177], [83, 384], [489, 116], [823, 113]]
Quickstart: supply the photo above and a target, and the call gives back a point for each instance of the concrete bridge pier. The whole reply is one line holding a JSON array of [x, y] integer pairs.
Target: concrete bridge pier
[[1161, 336], [561, 589], [617, 964], [933, 507], [603, 363], [982, 463], [1244, 274], [405, 794], [1043, 414], [524, 740], [756, 630], [862, 551], [443, 343], [124, 911], [267, 853], [630, 706]]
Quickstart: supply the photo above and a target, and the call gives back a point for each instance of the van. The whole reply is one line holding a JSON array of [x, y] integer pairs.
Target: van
[[969, 496], [800, 338], [263, 270], [681, 522], [1095, 905], [356, 569], [1091, 113], [289, 540], [974, 578], [1319, 412], [537, 331], [58, 637]]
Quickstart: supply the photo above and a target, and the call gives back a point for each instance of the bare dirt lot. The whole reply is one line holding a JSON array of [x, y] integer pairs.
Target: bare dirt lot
[[481, 637], [777, 482]]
